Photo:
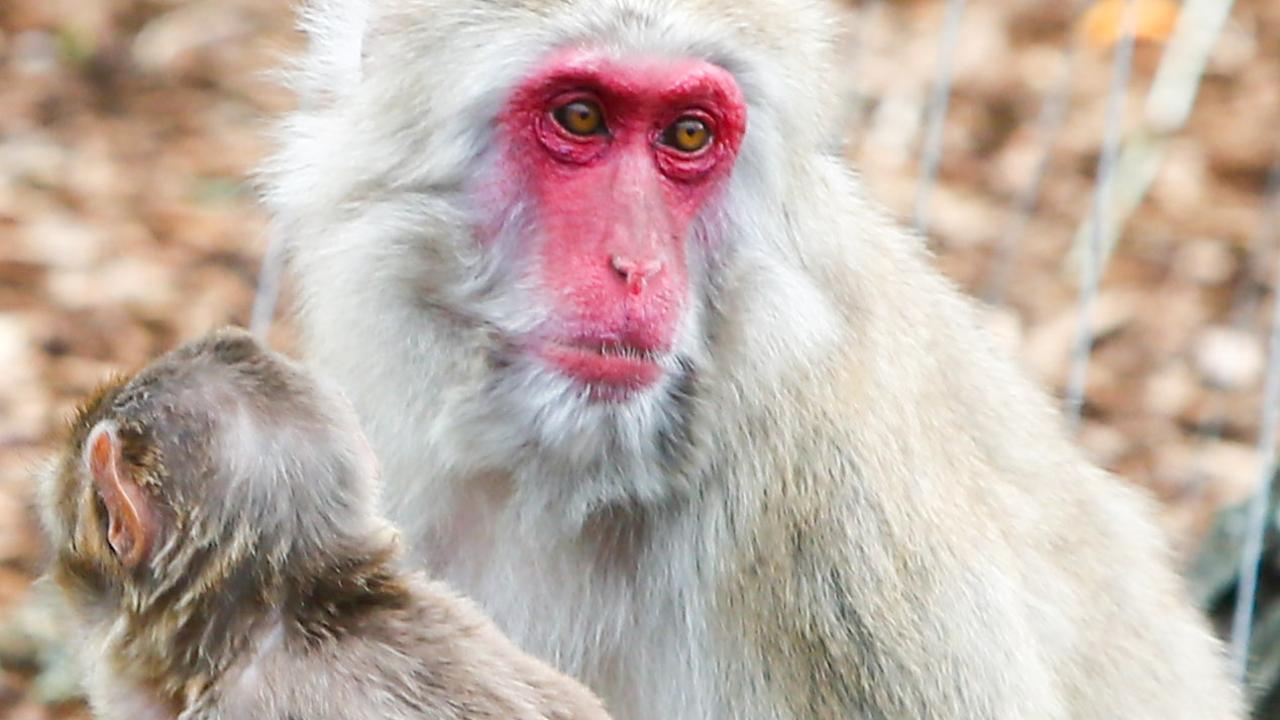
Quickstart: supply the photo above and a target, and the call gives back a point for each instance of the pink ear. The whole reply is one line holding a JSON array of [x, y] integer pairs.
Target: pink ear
[[130, 524]]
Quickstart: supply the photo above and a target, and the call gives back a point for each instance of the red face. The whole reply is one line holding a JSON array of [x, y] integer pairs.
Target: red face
[[618, 158]]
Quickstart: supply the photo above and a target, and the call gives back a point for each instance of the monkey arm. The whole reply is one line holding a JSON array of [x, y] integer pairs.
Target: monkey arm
[[436, 658], [911, 548]]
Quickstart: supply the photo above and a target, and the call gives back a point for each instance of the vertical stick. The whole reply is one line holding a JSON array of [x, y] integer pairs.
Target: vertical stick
[[268, 292], [1245, 303], [938, 102], [1048, 127], [1172, 95], [1091, 262], [1255, 529]]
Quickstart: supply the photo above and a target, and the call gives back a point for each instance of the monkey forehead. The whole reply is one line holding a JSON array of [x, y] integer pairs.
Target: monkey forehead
[[797, 33], [645, 75], [429, 69], [758, 42]]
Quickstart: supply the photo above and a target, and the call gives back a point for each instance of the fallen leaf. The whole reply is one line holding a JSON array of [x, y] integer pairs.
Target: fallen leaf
[[1103, 23]]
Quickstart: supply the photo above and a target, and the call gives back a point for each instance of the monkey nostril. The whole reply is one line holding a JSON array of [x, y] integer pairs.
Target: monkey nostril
[[633, 273], [624, 267]]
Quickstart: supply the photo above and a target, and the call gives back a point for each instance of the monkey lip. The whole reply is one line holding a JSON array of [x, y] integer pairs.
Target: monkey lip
[[609, 366]]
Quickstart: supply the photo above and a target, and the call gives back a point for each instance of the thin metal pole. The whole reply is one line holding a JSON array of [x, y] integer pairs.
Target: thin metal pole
[[1091, 263], [1255, 529], [1048, 127], [1169, 102], [1264, 246], [1244, 309], [938, 102], [267, 295]]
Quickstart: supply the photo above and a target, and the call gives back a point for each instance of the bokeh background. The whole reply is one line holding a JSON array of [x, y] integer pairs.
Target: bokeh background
[[128, 224]]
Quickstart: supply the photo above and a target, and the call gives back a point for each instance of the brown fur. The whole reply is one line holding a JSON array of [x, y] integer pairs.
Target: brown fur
[[273, 591]]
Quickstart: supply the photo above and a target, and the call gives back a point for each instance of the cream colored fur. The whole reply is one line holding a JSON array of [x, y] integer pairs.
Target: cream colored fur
[[853, 508]]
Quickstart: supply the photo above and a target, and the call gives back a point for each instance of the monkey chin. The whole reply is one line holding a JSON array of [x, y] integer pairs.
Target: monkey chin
[[559, 418]]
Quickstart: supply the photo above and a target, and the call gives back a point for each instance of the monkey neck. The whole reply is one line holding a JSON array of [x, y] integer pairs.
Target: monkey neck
[[180, 639], [331, 598], [181, 642]]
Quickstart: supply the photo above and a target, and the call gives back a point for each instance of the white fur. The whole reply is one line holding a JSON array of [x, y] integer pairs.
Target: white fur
[[499, 478], [565, 455]]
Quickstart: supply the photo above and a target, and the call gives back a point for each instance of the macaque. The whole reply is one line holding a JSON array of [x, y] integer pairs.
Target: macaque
[[655, 385], [215, 534]]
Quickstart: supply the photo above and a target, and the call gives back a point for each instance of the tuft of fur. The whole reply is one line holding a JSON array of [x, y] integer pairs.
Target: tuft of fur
[[275, 590], [843, 503]]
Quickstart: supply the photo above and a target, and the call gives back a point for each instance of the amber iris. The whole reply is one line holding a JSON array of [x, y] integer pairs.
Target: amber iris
[[688, 135], [580, 117]]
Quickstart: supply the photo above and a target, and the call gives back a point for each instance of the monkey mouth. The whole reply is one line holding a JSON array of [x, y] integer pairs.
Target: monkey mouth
[[612, 370]]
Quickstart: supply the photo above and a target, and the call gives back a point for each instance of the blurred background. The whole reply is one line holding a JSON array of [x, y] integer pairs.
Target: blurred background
[[128, 224]]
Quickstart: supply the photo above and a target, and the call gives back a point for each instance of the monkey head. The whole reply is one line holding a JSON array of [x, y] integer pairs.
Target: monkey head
[[200, 467], [538, 215]]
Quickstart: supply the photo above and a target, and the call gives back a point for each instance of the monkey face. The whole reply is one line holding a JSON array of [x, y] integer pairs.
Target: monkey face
[[610, 162], [594, 215]]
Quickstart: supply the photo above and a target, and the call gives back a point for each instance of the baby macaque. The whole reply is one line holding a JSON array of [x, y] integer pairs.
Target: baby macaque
[[214, 532]]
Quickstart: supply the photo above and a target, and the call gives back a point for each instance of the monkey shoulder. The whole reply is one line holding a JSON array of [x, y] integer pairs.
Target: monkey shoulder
[[455, 637], [920, 518], [434, 657]]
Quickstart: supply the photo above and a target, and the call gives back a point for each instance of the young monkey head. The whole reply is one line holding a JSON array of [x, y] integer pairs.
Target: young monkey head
[[200, 496]]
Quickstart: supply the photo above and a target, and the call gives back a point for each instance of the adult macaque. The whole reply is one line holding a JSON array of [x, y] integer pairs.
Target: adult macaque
[[214, 531], [655, 385]]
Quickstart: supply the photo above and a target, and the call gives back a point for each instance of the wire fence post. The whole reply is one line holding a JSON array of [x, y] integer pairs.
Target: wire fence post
[[938, 102], [1169, 102], [1053, 113], [267, 295], [1256, 524], [1091, 261]]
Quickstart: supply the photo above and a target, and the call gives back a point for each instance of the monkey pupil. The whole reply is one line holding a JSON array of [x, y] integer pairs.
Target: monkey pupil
[[688, 135], [579, 118]]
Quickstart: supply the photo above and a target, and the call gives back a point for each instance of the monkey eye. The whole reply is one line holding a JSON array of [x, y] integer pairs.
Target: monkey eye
[[687, 134], [580, 117]]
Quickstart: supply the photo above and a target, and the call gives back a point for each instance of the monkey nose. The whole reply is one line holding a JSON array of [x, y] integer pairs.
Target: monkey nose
[[635, 273]]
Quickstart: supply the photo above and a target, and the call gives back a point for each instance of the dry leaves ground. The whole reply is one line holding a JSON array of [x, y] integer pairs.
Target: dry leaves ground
[[127, 225]]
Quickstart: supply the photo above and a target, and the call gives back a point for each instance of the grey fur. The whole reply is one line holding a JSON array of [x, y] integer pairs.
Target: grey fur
[[275, 590]]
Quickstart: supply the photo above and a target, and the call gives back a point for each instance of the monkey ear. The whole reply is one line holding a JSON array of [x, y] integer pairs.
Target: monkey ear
[[130, 521]]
